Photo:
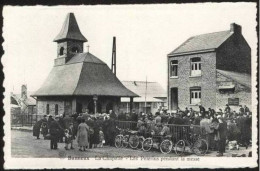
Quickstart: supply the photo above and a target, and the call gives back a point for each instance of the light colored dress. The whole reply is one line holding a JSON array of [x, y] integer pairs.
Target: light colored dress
[[82, 134]]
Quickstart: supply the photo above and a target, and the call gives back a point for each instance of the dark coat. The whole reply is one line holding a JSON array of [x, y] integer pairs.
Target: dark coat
[[49, 122], [171, 120], [227, 109], [134, 117], [37, 128], [44, 127], [96, 133], [178, 121], [55, 128], [241, 110], [202, 109], [222, 130], [246, 109]]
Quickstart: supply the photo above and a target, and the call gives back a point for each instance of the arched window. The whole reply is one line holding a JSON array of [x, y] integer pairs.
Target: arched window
[[61, 51], [47, 109], [56, 109]]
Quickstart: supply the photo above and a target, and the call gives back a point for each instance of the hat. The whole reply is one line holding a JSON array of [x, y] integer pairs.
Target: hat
[[44, 116], [57, 116], [50, 116]]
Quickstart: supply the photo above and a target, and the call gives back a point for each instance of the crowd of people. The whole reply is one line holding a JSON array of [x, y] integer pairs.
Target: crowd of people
[[91, 131]]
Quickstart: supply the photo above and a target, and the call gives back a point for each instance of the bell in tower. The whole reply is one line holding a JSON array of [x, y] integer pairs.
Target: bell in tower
[[70, 40]]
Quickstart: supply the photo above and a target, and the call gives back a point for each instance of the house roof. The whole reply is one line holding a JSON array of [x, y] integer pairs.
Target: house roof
[[83, 74], [153, 91], [202, 42], [29, 101], [241, 78], [70, 30]]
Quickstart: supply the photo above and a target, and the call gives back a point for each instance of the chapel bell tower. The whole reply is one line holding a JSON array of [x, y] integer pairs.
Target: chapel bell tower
[[70, 40]]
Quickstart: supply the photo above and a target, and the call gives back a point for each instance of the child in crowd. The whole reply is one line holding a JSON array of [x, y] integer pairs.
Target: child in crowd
[[101, 138], [69, 137]]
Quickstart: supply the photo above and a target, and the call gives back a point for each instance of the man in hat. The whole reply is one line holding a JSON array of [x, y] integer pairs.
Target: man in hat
[[54, 132], [37, 128], [202, 109], [227, 109], [222, 130], [50, 119], [44, 126], [246, 109]]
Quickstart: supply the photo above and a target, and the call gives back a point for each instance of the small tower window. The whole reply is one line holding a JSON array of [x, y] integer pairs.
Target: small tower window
[[47, 109], [75, 50], [61, 51], [56, 109]]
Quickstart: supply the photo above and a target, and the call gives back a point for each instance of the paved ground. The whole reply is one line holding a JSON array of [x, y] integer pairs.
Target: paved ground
[[25, 145]]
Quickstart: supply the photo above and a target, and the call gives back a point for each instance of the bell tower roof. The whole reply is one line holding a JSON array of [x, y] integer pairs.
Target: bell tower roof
[[70, 30]]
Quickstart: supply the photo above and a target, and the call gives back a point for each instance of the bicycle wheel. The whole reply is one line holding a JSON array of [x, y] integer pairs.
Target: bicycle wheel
[[200, 147], [180, 147], [147, 144], [166, 146], [125, 141], [118, 141], [133, 141], [141, 140]]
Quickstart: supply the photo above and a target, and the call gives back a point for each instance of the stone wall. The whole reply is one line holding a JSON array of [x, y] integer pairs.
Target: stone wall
[[207, 80], [241, 92]]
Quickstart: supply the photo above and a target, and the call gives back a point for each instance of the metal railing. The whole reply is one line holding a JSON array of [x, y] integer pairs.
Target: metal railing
[[177, 131], [19, 120]]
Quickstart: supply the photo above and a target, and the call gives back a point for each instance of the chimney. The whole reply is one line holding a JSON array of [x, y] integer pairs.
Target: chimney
[[235, 28], [24, 92]]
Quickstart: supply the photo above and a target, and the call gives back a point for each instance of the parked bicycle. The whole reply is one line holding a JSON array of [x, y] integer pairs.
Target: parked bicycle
[[127, 137], [193, 142], [162, 142]]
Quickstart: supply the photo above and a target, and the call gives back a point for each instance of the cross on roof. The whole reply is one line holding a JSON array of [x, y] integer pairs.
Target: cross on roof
[[88, 47]]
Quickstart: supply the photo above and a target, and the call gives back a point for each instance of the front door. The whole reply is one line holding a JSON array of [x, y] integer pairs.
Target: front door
[[174, 98]]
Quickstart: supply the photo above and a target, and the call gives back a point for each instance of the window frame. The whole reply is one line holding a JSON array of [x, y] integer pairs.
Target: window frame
[[195, 95], [61, 51], [47, 109], [56, 109], [195, 66], [174, 65]]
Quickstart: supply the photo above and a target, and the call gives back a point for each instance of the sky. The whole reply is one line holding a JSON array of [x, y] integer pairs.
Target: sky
[[145, 35]]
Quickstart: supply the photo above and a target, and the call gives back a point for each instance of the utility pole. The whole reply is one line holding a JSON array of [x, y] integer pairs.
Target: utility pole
[[145, 95], [113, 66]]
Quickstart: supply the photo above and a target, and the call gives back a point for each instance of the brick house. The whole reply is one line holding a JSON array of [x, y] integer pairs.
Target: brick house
[[78, 81], [211, 69], [152, 93]]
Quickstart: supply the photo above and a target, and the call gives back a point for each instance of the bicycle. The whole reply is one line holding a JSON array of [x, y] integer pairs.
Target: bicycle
[[119, 138], [195, 143], [162, 142], [130, 139]]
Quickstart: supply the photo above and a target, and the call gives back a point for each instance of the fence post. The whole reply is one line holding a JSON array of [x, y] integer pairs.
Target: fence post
[[22, 119], [32, 119]]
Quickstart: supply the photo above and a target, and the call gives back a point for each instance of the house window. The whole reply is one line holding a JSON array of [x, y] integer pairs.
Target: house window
[[195, 96], [196, 66], [174, 68], [47, 109], [56, 109], [61, 51]]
